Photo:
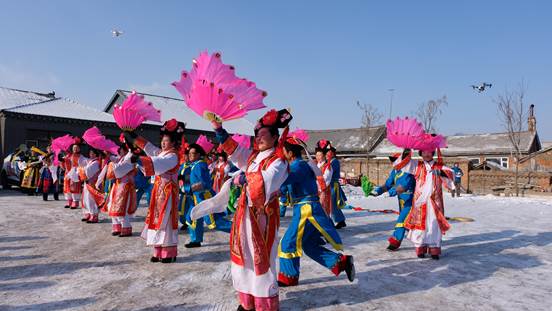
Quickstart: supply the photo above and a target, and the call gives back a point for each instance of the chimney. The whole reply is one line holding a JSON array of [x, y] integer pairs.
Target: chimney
[[532, 121]]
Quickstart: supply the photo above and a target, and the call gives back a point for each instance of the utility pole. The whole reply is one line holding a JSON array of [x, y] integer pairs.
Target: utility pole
[[392, 91]]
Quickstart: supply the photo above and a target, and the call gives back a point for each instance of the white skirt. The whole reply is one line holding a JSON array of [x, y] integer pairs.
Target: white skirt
[[244, 278], [432, 235], [166, 235]]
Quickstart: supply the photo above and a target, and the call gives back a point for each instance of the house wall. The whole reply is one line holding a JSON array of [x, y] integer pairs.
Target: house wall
[[539, 163], [378, 170], [483, 182]]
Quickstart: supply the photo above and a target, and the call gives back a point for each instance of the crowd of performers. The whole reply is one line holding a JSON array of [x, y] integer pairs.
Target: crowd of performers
[[186, 184]]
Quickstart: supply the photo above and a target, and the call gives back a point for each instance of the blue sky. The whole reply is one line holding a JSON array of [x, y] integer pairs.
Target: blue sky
[[318, 57]]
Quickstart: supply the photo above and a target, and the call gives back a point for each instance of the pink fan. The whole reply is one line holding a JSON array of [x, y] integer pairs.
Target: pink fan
[[134, 111], [213, 91], [96, 140], [205, 143], [429, 142], [242, 140], [404, 133], [299, 134], [61, 144]]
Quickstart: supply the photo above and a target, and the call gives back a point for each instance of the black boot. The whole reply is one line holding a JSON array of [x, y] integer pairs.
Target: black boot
[[184, 227], [350, 268], [153, 258], [56, 196], [67, 206], [45, 196], [240, 308], [435, 257], [341, 224], [192, 245]]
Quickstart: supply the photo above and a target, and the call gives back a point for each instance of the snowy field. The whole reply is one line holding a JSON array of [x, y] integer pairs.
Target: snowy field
[[49, 260]]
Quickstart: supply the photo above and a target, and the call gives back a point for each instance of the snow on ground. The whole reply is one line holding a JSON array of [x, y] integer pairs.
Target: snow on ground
[[49, 260]]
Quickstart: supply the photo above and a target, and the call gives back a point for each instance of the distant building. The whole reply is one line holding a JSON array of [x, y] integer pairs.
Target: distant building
[[35, 118], [366, 151]]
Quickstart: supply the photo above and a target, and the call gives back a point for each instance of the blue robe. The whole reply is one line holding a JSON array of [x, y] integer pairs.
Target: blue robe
[[308, 225], [199, 174], [338, 196], [185, 190], [408, 183]]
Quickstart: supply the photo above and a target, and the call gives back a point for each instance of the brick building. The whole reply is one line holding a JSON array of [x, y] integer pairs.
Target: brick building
[[366, 151]]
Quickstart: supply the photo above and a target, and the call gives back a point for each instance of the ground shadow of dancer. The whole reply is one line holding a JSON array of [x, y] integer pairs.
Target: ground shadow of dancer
[[462, 264]]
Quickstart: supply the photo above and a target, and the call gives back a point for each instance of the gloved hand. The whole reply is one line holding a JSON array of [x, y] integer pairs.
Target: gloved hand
[[60, 158]]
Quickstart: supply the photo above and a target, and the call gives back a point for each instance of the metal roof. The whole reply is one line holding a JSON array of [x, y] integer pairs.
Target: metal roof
[[476, 144], [63, 108], [10, 98], [176, 108], [354, 141]]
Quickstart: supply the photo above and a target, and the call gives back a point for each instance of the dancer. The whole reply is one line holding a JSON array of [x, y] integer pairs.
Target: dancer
[[402, 185], [325, 179], [426, 221], [72, 182], [88, 173], [121, 203], [338, 196], [201, 187], [309, 223], [254, 235], [161, 229], [49, 178], [185, 190], [223, 169]]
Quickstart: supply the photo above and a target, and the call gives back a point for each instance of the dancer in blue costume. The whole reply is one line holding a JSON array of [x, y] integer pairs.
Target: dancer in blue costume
[[185, 190], [338, 196], [402, 185], [201, 187], [308, 224]]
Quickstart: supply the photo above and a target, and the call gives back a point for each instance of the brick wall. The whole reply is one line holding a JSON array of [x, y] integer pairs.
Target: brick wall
[[539, 163], [482, 182]]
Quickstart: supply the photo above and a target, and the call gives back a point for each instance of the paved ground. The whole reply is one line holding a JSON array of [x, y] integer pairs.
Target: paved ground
[[49, 260]]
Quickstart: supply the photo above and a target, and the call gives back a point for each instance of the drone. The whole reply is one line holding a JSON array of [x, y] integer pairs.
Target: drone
[[116, 33], [480, 88]]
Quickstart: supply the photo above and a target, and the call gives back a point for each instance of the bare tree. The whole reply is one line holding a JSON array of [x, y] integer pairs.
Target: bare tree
[[429, 112], [512, 112], [370, 117]]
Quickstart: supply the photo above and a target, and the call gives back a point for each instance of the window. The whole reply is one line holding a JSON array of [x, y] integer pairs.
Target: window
[[503, 162], [474, 161]]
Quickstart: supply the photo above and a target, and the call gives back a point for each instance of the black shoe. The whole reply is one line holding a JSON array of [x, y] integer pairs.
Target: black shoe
[[435, 257], [392, 247], [184, 227], [116, 233], [168, 260], [341, 224], [281, 284], [421, 256], [350, 268], [154, 259], [84, 219], [192, 245], [67, 206], [240, 308]]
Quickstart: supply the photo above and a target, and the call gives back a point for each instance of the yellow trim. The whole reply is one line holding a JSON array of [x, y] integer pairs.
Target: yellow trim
[[399, 225], [182, 205], [306, 214], [401, 203]]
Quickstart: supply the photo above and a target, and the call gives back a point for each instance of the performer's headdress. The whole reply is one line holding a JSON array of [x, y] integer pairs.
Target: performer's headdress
[[174, 129], [274, 120]]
